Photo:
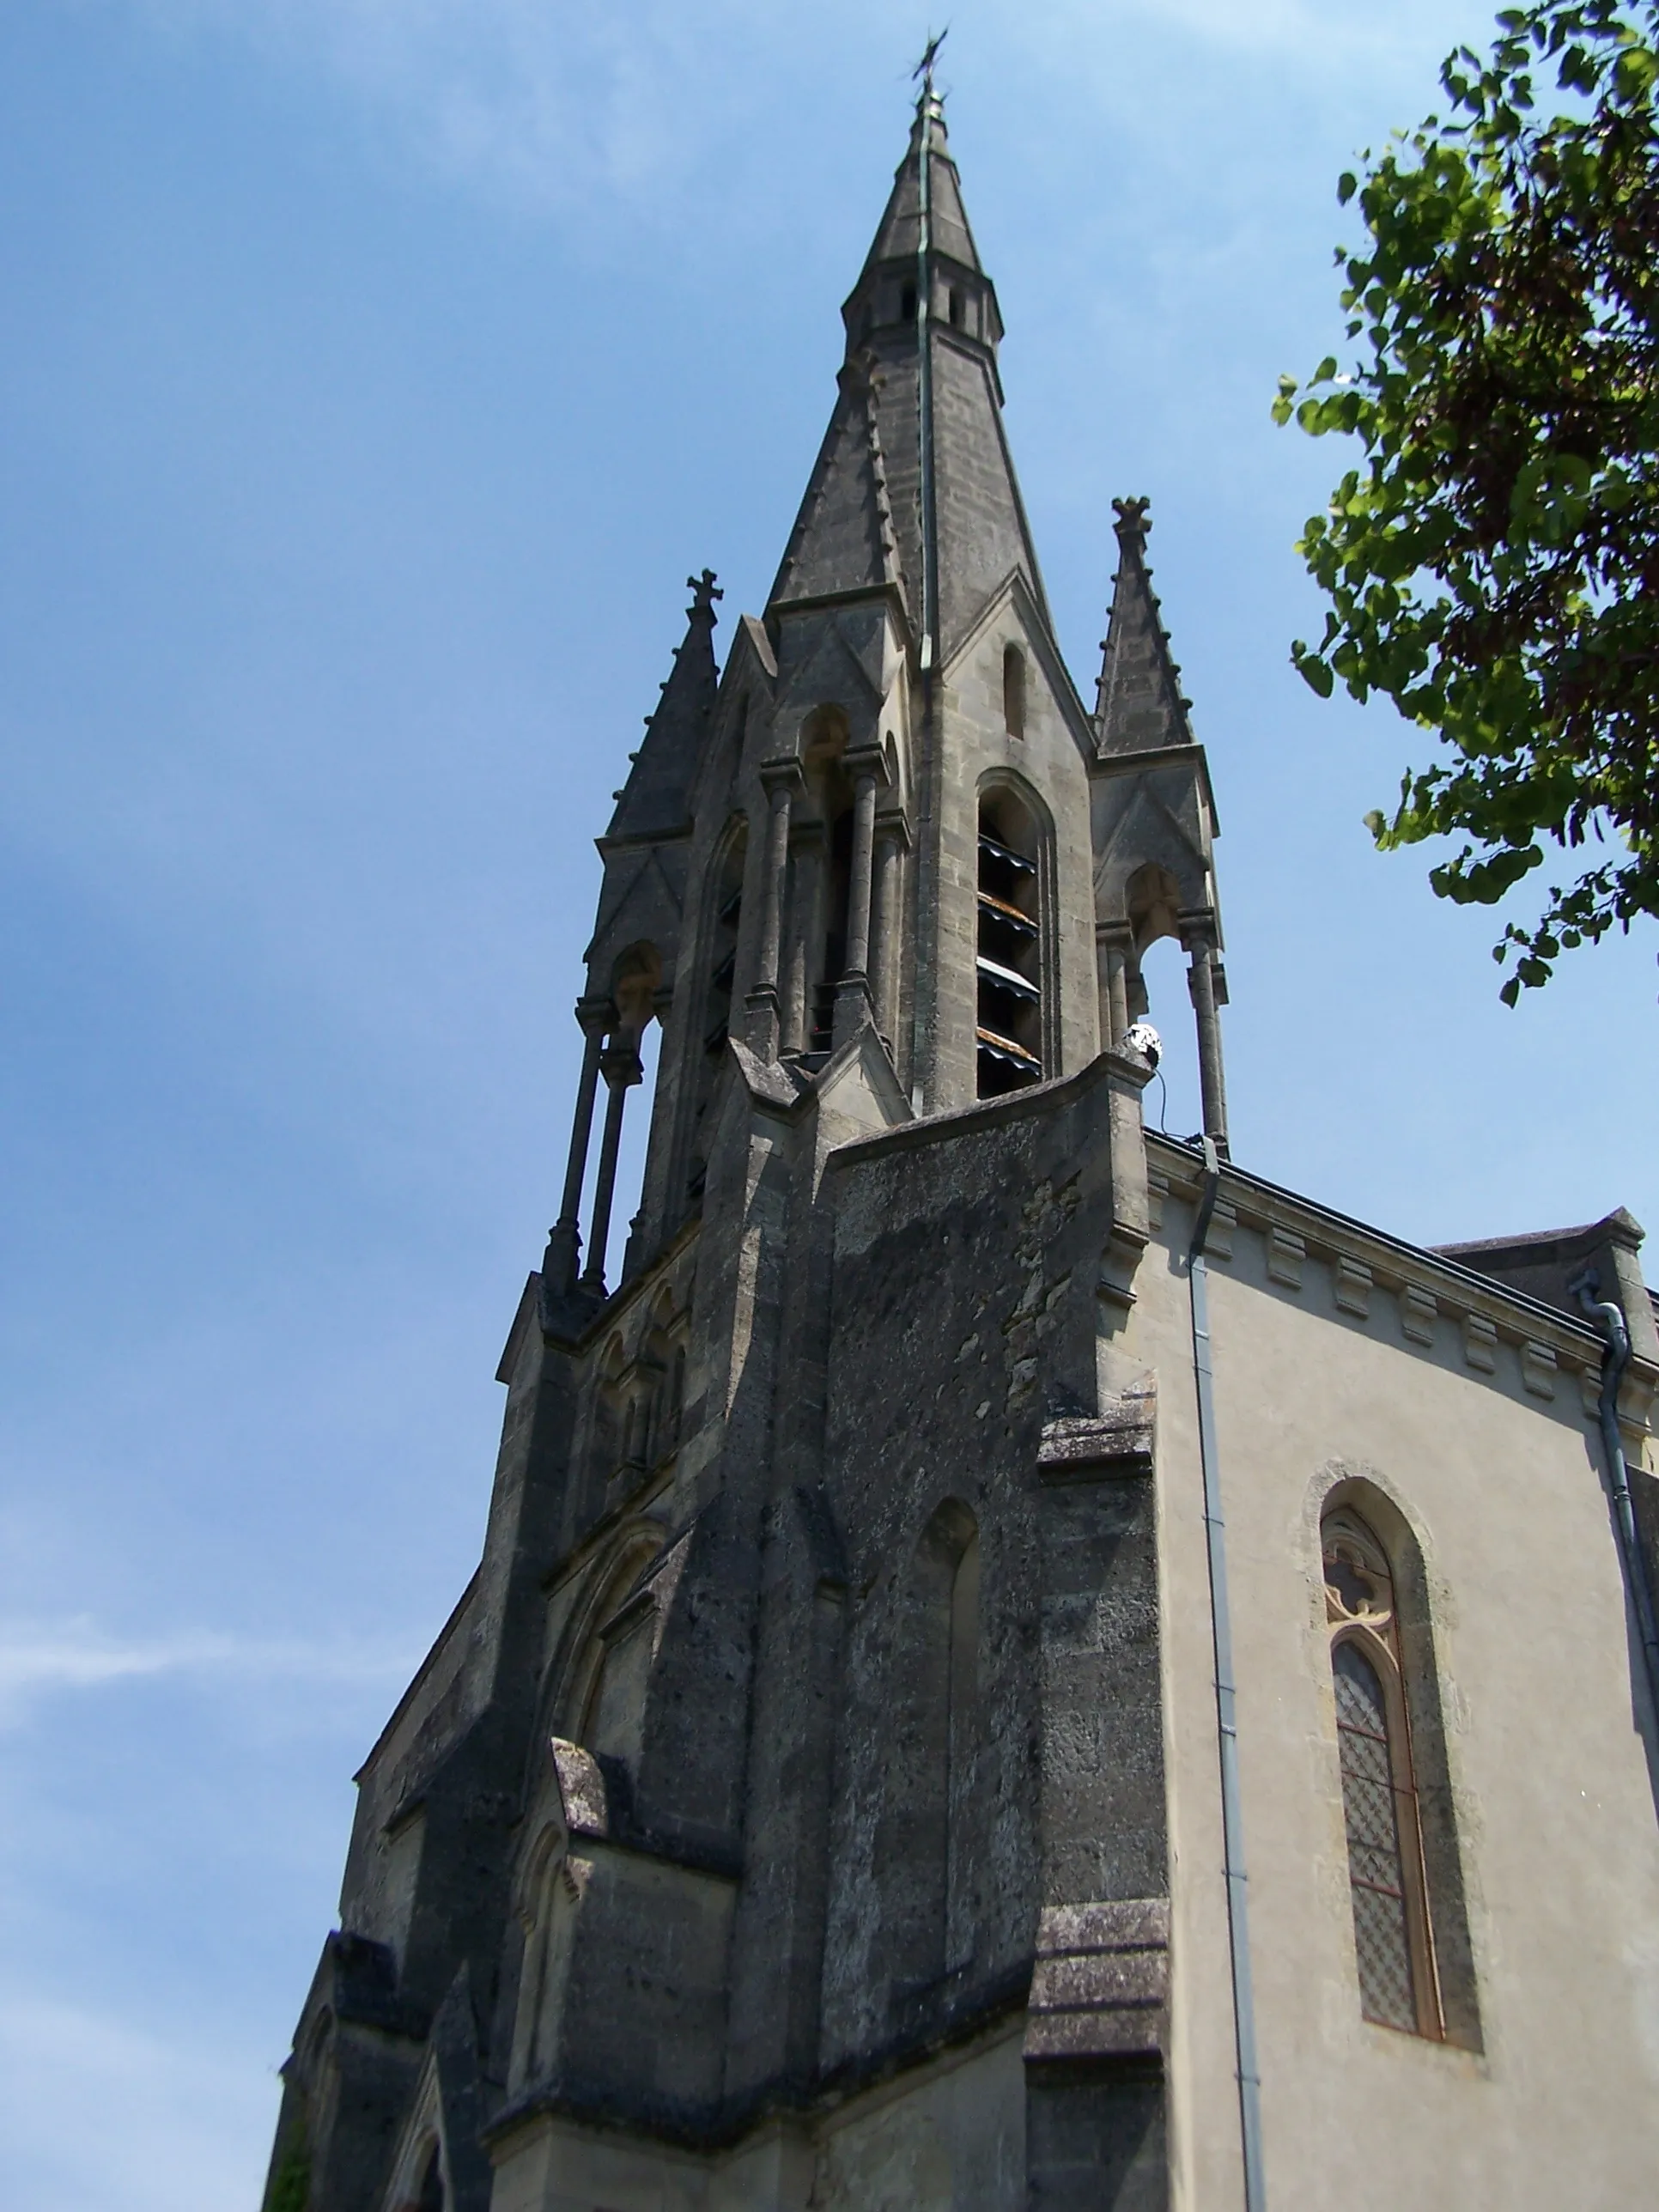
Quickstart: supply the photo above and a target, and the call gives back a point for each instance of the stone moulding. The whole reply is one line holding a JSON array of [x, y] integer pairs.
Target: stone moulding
[[1101, 1985], [1544, 1342], [1117, 1442], [581, 1789]]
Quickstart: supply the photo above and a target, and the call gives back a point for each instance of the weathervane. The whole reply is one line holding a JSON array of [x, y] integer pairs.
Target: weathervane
[[923, 68]]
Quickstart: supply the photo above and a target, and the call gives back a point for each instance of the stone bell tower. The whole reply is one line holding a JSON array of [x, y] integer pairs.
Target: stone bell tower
[[892, 811], [795, 1756]]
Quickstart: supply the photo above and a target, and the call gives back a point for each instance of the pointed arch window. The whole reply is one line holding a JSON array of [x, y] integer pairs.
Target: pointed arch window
[[547, 1912], [1008, 961], [1381, 1817]]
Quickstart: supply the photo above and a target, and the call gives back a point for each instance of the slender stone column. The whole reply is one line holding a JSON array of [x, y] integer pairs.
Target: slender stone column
[[853, 1009], [892, 838], [564, 1238], [620, 1066], [1112, 947], [1200, 982], [781, 779]]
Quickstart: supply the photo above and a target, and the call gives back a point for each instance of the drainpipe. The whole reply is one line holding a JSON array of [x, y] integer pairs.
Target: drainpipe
[[1610, 1320], [1232, 1827]]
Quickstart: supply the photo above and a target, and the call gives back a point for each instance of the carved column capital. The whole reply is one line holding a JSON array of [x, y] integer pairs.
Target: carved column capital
[[861, 760], [782, 778]]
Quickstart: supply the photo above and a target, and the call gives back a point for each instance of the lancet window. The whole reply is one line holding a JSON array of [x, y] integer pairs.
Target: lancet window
[[1013, 691], [1387, 1880], [1008, 963], [548, 1910]]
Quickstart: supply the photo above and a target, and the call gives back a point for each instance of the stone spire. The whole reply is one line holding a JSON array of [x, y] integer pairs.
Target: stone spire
[[1139, 704], [655, 801], [914, 490]]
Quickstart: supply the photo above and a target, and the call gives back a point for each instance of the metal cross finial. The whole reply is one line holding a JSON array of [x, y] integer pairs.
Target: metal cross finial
[[704, 591], [923, 68]]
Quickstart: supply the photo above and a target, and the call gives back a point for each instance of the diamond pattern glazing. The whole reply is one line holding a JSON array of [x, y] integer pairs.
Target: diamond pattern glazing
[[1381, 1935]]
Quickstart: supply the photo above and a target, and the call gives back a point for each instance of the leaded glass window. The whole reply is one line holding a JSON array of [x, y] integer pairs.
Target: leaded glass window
[[1375, 1874], [1392, 1939]]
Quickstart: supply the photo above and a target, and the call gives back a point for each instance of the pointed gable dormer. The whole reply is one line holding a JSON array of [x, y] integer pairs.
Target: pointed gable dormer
[[1138, 700], [655, 801]]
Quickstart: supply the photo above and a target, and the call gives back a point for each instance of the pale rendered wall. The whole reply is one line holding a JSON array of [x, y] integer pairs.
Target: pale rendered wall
[[1557, 1827]]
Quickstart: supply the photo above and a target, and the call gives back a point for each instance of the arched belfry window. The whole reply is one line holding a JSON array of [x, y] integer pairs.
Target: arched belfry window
[[1008, 963], [1013, 691], [1393, 1937]]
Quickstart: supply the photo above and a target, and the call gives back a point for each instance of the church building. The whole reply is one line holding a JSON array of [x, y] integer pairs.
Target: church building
[[1014, 1662]]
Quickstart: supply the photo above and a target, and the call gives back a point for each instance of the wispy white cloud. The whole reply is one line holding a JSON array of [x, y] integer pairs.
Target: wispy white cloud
[[546, 102], [39, 1658], [558, 105]]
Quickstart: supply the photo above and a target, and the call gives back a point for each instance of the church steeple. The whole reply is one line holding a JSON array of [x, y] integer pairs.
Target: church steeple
[[914, 492], [887, 850]]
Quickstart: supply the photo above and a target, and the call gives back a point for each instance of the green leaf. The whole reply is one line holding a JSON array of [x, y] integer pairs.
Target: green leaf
[[1488, 566]]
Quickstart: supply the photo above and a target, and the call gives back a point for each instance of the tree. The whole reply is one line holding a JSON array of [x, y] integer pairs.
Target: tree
[[1492, 567]]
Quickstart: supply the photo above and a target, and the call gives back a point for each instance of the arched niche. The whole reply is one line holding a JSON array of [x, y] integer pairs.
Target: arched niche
[[924, 1855]]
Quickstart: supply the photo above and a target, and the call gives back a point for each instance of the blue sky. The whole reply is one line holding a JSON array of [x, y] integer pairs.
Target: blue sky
[[377, 370]]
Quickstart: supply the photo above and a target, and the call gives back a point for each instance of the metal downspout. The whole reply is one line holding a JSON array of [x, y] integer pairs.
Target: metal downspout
[[924, 1016], [925, 386], [1232, 1831], [1610, 1319]]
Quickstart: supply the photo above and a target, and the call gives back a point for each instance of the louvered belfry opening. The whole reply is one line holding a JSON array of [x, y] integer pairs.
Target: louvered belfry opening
[[1009, 963]]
